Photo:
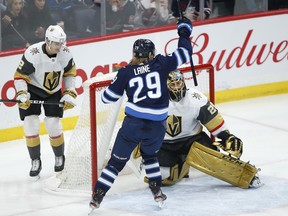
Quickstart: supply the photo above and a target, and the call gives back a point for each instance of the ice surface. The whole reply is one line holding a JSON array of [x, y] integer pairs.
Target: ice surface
[[261, 123]]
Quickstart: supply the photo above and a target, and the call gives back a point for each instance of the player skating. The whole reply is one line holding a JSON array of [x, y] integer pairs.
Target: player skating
[[39, 76], [145, 82]]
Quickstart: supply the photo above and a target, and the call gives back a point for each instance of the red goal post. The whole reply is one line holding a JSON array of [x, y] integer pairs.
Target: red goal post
[[91, 142]]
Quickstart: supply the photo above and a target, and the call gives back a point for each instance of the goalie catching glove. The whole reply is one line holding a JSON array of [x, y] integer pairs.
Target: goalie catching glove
[[230, 143], [23, 96], [69, 99]]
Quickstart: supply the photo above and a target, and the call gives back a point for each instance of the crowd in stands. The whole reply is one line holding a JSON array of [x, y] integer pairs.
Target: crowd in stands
[[23, 22]]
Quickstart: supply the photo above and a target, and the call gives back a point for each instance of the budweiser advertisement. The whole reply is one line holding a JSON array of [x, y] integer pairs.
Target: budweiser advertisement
[[244, 50]]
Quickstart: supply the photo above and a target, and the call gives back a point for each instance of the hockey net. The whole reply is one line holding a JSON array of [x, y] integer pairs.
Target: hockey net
[[91, 142]]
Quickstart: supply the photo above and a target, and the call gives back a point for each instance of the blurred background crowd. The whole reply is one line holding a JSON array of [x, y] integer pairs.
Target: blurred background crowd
[[24, 22]]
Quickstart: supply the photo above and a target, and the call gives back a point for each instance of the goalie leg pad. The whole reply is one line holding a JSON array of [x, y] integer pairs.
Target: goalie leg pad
[[221, 166]]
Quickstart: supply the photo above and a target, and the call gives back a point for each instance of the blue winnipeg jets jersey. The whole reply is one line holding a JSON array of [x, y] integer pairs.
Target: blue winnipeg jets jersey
[[146, 84]]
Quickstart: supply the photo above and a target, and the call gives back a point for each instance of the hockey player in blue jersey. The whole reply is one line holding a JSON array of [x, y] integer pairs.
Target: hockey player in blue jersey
[[145, 82]]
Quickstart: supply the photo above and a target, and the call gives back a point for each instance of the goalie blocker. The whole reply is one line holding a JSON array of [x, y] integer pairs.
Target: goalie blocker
[[221, 166]]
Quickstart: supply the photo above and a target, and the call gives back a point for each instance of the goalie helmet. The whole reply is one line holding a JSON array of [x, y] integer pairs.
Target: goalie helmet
[[143, 47], [176, 86], [55, 33]]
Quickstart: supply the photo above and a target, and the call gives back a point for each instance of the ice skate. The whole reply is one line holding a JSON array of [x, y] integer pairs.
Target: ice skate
[[97, 198], [59, 163], [36, 167], [255, 183], [159, 196]]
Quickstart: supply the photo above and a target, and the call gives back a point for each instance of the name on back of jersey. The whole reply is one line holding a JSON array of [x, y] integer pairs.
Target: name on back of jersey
[[141, 70]]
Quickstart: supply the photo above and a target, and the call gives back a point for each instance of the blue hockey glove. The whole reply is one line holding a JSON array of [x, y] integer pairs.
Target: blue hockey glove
[[184, 27]]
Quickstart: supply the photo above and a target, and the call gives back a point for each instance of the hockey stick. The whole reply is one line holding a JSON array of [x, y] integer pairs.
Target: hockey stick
[[191, 60], [18, 33], [61, 104]]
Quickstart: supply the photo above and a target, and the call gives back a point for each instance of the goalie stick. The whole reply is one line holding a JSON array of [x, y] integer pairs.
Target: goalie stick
[[61, 104], [191, 60]]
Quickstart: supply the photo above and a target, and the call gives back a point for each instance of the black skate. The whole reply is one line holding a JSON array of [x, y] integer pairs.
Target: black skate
[[59, 163], [36, 167], [159, 197], [97, 198]]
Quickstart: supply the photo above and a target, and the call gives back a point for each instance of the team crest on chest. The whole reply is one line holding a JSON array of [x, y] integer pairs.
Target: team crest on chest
[[51, 80], [174, 125]]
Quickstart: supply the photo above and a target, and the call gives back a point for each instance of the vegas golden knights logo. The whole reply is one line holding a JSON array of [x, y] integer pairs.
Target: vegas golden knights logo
[[51, 80], [174, 125]]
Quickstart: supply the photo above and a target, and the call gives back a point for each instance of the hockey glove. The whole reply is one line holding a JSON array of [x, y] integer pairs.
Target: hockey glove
[[230, 143], [184, 27], [23, 96], [69, 99]]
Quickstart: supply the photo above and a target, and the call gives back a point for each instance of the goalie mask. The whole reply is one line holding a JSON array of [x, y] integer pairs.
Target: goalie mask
[[56, 34], [142, 48], [176, 86]]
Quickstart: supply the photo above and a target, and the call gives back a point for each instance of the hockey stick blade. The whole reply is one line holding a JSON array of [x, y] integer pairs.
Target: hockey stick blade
[[61, 104]]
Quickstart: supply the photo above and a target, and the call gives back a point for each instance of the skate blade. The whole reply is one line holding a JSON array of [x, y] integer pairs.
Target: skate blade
[[34, 178], [161, 204], [92, 211]]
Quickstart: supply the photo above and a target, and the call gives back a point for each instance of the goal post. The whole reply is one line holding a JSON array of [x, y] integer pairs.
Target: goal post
[[93, 137]]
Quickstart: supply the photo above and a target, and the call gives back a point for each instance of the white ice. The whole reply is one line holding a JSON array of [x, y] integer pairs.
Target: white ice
[[261, 123]]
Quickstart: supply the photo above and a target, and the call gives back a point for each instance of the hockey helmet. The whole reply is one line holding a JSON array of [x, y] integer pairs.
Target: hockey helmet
[[143, 47], [55, 33], [176, 85]]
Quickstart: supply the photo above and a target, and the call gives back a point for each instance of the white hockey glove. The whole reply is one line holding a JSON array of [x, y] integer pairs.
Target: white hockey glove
[[69, 99], [230, 143], [23, 96]]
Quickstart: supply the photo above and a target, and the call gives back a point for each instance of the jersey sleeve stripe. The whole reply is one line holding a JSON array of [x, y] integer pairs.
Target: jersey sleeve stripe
[[109, 96], [185, 54], [112, 94], [182, 56], [178, 57]]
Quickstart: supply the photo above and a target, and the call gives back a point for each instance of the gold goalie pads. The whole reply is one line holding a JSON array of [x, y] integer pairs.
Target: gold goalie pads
[[221, 166]]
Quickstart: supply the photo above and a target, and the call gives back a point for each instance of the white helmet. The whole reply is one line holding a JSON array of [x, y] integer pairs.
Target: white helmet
[[55, 33]]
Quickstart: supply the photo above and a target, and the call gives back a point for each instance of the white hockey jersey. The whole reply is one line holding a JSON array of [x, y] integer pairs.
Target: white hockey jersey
[[43, 71], [186, 117]]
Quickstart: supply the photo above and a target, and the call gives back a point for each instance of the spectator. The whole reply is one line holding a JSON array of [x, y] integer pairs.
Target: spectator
[[119, 14], [277, 4], [84, 15], [249, 6], [14, 25], [190, 8], [150, 13], [95, 24], [223, 8], [62, 13], [39, 19]]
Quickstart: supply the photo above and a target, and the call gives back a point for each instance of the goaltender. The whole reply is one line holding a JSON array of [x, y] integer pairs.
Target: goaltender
[[187, 144]]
